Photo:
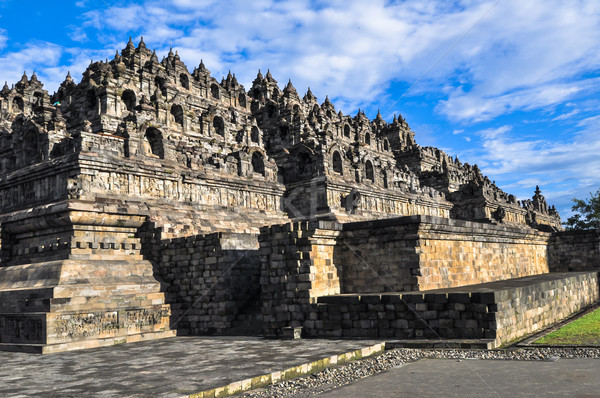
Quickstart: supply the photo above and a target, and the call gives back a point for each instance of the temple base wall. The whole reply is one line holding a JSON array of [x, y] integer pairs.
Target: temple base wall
[[97, 290], [209, 279], [574, 251], [424, 253]]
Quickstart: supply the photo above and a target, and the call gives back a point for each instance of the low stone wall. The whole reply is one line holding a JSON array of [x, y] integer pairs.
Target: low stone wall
[[424, 253], [574, 251], [209, 279], [502, 311]]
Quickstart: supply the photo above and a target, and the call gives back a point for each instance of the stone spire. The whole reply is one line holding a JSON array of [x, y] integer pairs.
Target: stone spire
[[5, 90], [130, 46], [289, 91], [309, 96]]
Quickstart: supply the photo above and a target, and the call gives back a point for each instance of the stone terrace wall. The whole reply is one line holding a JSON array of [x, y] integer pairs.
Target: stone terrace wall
[[502, 311], [208, 278], [574, 251], [527, 308], [424, 253], [296, 267]]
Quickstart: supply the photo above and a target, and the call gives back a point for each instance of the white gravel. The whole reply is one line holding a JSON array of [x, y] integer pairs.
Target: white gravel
[[338, 376]]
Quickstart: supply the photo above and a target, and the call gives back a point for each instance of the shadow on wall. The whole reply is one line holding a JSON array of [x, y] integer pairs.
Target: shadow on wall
[[574, 251], [212, 282]]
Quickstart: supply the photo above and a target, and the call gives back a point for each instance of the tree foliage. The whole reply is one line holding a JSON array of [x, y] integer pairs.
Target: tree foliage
[[587, 214]]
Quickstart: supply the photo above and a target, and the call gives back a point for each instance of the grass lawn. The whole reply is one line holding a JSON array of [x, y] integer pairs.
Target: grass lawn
[[582, 331]]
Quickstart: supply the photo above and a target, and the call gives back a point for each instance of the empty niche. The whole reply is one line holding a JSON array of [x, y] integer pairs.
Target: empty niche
[[31, 151], [214, 91], [91, 101], [254, 135], [346, 131], [304, 164], [153, 143], [242, 100], [369, 174], [386, 145], [185, 81], [368, 139], [128, 98], [283, 131], [177, 112], [385, 179], [338, 166], [219, 125], [258, 163]]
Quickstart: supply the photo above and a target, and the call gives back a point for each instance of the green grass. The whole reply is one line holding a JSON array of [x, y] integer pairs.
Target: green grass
[[582, 331]]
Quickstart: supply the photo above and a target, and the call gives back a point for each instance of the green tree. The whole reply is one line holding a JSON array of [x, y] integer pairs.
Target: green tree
[[587, 214]]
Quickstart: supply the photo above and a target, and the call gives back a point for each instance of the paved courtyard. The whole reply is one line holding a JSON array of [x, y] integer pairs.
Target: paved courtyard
[[167, 368], [573, 377]]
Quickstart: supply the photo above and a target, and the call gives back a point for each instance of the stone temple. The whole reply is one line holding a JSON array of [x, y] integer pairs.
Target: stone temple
[[146, 201]]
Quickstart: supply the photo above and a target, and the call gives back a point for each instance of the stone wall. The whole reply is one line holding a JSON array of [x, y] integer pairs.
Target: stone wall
[[209, 279], [501, 311], [423, 253], [306, 260], [574, 251], [296, 267]]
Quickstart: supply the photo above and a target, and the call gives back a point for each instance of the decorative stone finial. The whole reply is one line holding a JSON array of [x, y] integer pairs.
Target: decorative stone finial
[[259, 76], [142, 44], [154, 57]]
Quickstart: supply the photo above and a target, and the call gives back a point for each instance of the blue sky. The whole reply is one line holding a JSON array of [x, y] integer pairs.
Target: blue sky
[[510, 85]]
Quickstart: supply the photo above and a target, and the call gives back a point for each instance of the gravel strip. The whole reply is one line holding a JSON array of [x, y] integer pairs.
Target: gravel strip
[[341, 375]]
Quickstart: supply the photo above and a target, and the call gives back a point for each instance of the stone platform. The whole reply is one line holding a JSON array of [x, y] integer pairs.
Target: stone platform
[[177, 367], [501, 311]]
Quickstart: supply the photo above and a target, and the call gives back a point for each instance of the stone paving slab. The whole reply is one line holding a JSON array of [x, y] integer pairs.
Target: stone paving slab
[[168, 368], [480, 378]]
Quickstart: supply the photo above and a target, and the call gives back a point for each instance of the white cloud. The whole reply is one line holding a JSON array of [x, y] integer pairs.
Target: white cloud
[[564, 168], [519, 55], [34, 57]]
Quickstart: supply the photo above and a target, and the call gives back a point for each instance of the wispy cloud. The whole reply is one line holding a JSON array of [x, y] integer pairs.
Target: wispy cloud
[[521, 55], [552, 163], [3, 38]]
